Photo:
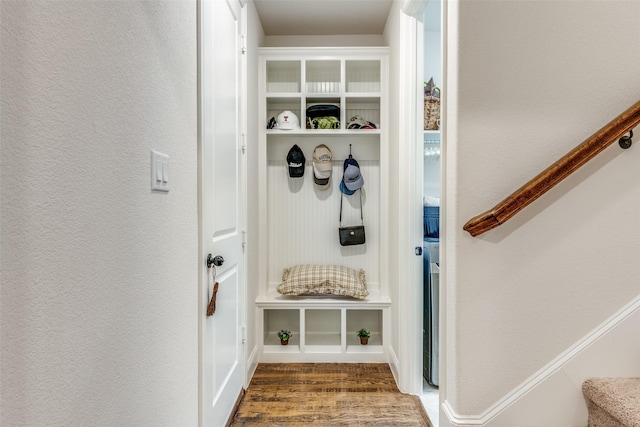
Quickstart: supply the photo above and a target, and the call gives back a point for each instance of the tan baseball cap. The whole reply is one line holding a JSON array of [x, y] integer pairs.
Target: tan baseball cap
[[322, 166]]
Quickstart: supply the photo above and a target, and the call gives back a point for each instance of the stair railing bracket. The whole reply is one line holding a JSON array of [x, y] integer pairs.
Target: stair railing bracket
[[625, 142]]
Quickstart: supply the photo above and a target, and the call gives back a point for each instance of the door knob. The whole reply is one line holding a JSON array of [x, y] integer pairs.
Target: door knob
[[214, 260]]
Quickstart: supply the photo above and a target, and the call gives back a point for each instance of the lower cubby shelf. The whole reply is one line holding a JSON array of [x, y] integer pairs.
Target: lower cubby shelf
[[323, 331]]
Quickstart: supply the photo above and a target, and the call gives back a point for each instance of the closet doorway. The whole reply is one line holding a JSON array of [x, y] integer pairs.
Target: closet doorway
[[431, 197]]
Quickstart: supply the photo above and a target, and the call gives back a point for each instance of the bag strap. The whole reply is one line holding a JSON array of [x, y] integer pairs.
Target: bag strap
[[361, 217]]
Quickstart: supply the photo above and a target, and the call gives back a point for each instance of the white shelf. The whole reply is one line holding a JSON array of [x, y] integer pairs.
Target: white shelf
[[323, 340], [353, 342], [365, 349], [275, 300], [325, 132], [272, 339], [432, 136], [280, 349]]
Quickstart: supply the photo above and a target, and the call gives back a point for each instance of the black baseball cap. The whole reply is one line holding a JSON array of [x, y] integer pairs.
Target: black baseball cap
[[295, 162]]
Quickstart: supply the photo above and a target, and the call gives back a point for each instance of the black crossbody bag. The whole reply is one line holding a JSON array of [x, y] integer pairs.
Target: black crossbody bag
[[353, 235]]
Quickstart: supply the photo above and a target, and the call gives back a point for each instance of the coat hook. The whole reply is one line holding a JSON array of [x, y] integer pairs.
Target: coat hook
[[625, 142]]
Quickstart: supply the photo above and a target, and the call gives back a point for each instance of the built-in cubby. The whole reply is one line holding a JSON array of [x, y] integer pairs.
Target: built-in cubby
[[354, 85], [324, 331], [299, 221], [371, 320], [323, 76], [283, 76], [362, 76], [368, 108], [282, 319]]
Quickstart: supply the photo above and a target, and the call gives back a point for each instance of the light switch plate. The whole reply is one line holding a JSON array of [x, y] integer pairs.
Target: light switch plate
[[159, 171]]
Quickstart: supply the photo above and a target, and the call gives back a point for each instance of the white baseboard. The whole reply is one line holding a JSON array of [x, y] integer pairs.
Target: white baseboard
[[557, 386], [394, 363], [251, 365]]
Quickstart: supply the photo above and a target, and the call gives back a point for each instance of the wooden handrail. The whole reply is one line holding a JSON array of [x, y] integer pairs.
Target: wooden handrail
[[555, 173]]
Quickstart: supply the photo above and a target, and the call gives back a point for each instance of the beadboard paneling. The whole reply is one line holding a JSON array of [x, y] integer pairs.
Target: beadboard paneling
[[303, 220]]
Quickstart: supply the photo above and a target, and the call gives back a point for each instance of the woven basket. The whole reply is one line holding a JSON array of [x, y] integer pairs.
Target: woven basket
[[432, 110]]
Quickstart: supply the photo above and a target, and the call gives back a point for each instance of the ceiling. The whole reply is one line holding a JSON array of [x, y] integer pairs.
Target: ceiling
[[322, 17]]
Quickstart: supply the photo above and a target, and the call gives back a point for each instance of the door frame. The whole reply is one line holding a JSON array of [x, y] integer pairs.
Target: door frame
[[413, 175], [410, 236]]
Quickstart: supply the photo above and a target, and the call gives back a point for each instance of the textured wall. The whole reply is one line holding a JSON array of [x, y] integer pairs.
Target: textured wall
[[529, 80], [99, 274]]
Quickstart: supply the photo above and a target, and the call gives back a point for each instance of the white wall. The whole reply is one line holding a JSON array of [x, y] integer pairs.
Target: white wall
[[432, 68], [99, 299], [528, 81], [432, 42]]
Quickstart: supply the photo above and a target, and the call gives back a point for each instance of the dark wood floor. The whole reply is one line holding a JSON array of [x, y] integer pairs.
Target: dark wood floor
[[327, 394]]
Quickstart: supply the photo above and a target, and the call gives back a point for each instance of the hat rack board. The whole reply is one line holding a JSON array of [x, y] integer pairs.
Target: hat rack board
[[361, 146], [303, 218]]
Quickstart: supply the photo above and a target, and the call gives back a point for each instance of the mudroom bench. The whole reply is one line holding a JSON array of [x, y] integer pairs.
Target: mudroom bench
[[324, 328]]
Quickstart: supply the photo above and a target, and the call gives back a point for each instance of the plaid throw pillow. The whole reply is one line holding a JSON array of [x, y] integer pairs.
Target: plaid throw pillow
[[323, 279]]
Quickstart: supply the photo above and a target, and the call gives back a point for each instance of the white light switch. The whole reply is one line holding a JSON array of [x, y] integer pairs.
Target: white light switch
[[159, 171], [165, 172]]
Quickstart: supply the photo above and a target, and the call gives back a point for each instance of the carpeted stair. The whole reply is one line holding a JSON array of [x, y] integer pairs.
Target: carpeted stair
[[613, 402]]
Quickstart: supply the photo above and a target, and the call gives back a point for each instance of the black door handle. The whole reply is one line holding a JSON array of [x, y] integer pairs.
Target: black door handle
[[214, 260]]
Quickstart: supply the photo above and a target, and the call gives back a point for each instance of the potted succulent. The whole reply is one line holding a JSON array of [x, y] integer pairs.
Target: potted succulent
[[284, 336], [364, 336]]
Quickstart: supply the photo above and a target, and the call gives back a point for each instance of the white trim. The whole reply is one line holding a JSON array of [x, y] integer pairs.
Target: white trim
[[394, 363], [410, 318], [544, 373], [204, 36], [244, 305], [252, 363], [444, 210]]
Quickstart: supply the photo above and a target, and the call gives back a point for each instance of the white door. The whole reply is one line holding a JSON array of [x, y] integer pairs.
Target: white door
[[221, 352]]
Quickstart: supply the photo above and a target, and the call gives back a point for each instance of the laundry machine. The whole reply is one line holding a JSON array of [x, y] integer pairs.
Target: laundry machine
[[431, 291]]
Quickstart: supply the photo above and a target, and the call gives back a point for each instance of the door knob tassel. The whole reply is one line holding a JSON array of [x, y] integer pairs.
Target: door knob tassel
[[211, 308], [212, 303]]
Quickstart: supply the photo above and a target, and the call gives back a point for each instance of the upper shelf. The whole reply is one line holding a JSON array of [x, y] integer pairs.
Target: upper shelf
[[323, 132], [352, 79], [322, 76]]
